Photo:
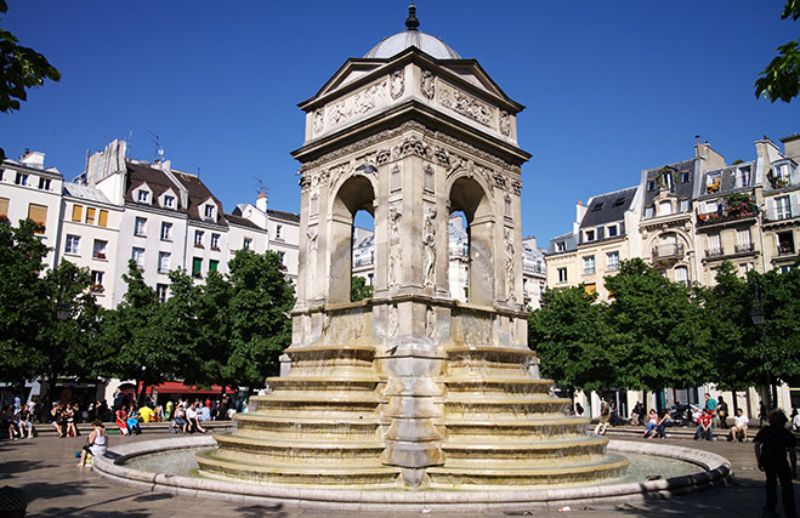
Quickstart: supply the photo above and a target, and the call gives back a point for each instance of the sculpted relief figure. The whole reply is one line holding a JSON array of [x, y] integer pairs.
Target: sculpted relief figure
[[394, 247], [505, 123], [312, 236], [430, 322], [398, 84], [509, 264], [319, 121], [429, 241], [427, 85]]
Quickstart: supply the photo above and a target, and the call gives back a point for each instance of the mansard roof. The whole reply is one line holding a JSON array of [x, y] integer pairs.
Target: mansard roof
[[609, 207]]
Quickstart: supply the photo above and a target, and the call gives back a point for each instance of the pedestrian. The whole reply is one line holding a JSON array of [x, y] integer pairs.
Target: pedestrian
[[57, 420], [69, 421], [710, 404], [773, 443], [704, 426], [722, 413]]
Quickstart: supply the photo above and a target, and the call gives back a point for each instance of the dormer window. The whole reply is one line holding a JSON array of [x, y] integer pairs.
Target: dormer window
[[561, 246], [612, 231], [21, 179], [143, 196], [169, 202], [665, 208], [590, 235], [684, 177], [597, 207], [208, 212], [713, 183], [742, 177], [651, 185]]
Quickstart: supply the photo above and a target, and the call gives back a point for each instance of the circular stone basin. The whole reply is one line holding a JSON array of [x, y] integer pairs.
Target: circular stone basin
[[168, 465]]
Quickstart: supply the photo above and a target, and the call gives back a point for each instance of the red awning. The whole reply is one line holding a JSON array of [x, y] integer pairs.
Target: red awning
[[176, 387]]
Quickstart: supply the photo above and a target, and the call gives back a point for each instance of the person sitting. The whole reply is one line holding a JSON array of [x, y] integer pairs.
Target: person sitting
[[605, 419], [10, 422], [652, 422], [193, 417], [663, 421], [133, 421], [704, 426], [179, 422], [147, 414], [121, 419], [25, 423], [55, 414], [740, 425], [205, 412], [636, 414], [96, 444]]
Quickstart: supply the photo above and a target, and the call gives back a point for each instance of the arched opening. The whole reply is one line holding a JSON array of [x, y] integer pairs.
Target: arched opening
[[354, 196], [469, 202], [362, 270], [458, 252]]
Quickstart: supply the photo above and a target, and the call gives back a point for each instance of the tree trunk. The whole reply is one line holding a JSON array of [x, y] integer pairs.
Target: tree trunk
[[735, 401], [142, 392]]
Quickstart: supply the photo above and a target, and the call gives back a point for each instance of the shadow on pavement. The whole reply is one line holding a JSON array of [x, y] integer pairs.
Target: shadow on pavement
[[257, 511]]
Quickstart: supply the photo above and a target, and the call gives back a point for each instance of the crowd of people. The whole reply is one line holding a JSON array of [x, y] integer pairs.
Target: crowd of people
[[17, 419]]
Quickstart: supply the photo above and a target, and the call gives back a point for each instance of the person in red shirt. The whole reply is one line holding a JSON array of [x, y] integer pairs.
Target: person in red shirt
[[704, 426]]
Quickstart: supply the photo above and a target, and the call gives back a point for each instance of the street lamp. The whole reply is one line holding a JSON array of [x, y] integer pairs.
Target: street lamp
[[757, 315]]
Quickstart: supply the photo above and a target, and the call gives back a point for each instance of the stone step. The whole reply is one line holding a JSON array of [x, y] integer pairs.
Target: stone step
[[572, 449], [331, 428], [333, 404], [238, 447], [344, 474], [498, 385], [456, 404], [525, 428], [324, 383]]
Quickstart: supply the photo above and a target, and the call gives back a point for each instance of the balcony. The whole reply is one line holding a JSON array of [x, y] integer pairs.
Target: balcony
[[97, 288], [533, 269], [787, 249], [714, 252], [99, 255], [735, 207], [783, 213], [745, 248], [668, 251]]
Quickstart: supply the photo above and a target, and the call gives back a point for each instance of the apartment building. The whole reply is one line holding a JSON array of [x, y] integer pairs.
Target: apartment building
[[781, 202], [534, 272], [29, 191]]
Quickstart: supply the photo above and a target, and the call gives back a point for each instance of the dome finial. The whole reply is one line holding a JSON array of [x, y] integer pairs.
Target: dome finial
[[412, 23]]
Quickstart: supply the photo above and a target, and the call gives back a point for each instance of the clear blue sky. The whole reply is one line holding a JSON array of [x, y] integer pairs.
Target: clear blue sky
[[610, 87]]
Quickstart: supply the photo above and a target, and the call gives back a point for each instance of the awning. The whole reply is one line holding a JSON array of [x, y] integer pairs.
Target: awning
[[176, 387]]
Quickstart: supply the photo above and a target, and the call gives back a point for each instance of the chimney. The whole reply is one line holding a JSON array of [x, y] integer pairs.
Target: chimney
[[580, 211], [33, 159], [711, 160], [791, 147], [261, 202], [768, 152]]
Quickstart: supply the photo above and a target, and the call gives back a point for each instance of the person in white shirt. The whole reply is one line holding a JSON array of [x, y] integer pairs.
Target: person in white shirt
[[740, 425]]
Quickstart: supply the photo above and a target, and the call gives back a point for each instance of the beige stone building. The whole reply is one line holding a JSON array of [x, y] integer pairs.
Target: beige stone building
[[781, 202]]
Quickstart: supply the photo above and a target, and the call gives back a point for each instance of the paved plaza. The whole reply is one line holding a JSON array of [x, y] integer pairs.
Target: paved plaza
[[45, 468]]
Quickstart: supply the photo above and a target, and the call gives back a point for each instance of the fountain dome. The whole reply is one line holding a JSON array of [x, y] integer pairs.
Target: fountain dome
[[412, 37]]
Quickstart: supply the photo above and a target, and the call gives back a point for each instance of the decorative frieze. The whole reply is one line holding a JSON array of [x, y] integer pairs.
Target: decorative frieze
[[398, 83], [360, 103], [427, 84], [465, 104], [505, 123]]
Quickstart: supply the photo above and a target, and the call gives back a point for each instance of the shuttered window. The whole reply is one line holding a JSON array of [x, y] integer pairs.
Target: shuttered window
[[90, 213], [213, 265], [3, 207], [77, 212], [103, 221], [38, 214], [197, 267]]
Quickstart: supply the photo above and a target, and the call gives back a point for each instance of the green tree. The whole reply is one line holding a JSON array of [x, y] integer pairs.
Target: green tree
[[570, 335], [780, 295], [260, 324], [359, 289], [658, 336], [781, 78], [21, 69], [140, 331], [24, 302]]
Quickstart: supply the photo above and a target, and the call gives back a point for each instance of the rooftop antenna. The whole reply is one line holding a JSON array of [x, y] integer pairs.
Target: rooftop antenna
[[412, 22], [261, 187], [159, 149]]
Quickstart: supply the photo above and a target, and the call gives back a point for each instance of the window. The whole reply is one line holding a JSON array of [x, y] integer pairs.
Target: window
[[166, 231], [91, 212], [21, 179], [713, 183], [562, 275], [99, 249], [597, 207], [714, 245], [73, 245], [213, 265], [103, 220], [139, 226], [4, 208], [137, 254], [214, 241], [97, 281], [161, 292], [783, 208], [198, 238], [163, 262], [665, 208], [247, 243], [611, 231], [682, 275], [612, 261], [683, 206], [197, 267], [648, 212], [742, 177], [744, 268], [590, 288], [169, 202], [684, 177], [38, 214], [744, 244], [44, 184], [208, 212], [561, 246], [370, 279], [651, 185], [143, 196], [619, 201], [786, 268], [279, 232], [588, 265], [589, 235], [282, 257], [785, 243]]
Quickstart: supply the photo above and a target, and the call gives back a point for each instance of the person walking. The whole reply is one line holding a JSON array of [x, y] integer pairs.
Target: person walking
[[722, 413], [773, 443]]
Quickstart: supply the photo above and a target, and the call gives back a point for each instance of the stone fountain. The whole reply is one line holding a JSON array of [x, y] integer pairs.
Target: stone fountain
[[411, 389]]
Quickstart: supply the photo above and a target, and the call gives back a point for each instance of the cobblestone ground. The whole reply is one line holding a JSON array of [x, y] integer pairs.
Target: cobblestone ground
[[45, 468]]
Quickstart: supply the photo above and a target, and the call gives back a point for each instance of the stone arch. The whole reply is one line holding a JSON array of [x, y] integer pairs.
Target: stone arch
[[354, 194], [466, 194]]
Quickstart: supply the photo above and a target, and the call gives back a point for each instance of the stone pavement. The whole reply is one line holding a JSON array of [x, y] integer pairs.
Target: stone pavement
[[45, 468]]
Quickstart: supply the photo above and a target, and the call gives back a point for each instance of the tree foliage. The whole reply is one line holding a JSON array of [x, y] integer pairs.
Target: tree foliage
[[781, 78], [21, 68], [359, 289]]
